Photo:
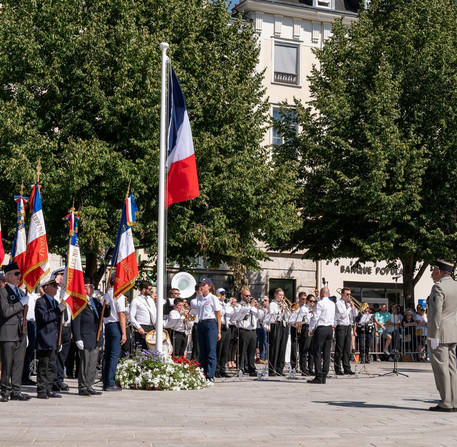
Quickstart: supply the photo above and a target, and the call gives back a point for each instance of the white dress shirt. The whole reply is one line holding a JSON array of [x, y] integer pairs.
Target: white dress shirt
[[230, 312], [275, 310], [344, 313], [324, 314], [177, 322], [117, 306], [247, 317], [207, 306], [142, 311]]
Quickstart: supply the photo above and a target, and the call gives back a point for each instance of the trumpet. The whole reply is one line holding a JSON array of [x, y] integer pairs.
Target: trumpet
[[361, 307], [187, 315]]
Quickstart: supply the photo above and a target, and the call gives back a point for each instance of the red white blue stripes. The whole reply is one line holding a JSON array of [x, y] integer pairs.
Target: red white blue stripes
[[20, 239]]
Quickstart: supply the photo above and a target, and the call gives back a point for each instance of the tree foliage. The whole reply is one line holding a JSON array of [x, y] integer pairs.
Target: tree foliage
[[81, 92], [376, 159]]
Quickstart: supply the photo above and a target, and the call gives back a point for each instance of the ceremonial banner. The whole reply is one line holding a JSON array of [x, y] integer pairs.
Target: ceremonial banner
[[73, 290], [36, 264], [182, 180], [124, 258], [20, 239], [2, 250]]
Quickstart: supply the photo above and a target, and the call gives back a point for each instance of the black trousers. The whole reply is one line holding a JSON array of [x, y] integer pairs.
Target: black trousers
[[12, 354], [73, 360], [277, 348], [343, 343], [364, 344], [222, 350], [248, 342], [45, 371], [305, 343], [195, 350], [233, 348], [30, 350], [140, 338], [322, 347], [179, 341], [62, 355], [293, 347]]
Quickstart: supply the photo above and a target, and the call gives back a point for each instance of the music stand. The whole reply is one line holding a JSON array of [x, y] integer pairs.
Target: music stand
[[394, 352]]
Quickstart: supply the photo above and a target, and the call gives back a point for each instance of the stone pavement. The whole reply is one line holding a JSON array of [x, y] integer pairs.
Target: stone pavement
[[347, 411]]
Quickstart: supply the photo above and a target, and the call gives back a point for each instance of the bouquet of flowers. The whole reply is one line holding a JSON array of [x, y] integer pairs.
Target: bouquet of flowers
[[151, 370]]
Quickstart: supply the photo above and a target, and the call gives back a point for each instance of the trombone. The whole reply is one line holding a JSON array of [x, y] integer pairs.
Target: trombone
[[361, 307], [292, 307]]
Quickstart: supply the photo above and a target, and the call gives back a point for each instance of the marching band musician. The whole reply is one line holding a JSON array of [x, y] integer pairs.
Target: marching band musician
[[195, 355], [223, 344], [143, 313], [279, 333], [179, 326], [364, 328], [209, 327], [321, 328], [247, 318], [294, 321], [305, 341], [231, 309], [345, 313]]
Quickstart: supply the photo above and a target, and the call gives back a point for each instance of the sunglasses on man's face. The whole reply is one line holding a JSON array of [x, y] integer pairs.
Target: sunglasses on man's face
[[17, 273]]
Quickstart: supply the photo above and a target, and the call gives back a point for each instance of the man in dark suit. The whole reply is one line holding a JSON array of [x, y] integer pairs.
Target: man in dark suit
[[12, 339], [85, 326], [48, 314]]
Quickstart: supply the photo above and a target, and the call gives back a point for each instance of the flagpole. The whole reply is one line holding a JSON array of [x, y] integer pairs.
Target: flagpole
[[161, 218]]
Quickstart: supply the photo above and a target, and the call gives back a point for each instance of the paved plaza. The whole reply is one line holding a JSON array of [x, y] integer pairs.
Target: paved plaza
[[347, 411]]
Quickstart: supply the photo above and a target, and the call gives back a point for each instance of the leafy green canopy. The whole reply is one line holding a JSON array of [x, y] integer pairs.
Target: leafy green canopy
[[376, 160], [81, 91]]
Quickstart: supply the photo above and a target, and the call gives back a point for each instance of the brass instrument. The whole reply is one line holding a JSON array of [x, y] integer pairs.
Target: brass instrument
[[293, 307], [361, 307], [187, 316]]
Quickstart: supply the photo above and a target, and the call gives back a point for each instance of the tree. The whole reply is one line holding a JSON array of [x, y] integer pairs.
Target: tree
[[376, 160], [81, 92]]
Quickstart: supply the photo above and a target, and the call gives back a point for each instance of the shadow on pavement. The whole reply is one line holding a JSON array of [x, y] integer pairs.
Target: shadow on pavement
[[361, 404]]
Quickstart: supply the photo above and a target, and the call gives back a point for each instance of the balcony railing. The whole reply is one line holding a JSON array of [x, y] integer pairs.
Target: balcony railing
[[286, 78]]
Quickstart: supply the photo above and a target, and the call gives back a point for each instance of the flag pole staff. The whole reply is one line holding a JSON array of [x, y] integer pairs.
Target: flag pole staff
[[161, 218]]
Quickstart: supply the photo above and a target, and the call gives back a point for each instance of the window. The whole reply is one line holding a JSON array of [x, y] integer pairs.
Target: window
[[278, 139], [288, 285], [285, 64], [322, 3]]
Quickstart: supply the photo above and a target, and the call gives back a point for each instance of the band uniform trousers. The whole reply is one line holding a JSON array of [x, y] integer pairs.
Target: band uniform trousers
[[277, 348], [343, 343], [45, 370], [233, 348], [195, 349], [306, 354], [30, 350], [87, 368], [207, 341], [293, 347], [179, 341], [12, 354], [365, 337], [322, 347], [248, 341], [443, 360], [62, 354], [140, 339], [223, 346]]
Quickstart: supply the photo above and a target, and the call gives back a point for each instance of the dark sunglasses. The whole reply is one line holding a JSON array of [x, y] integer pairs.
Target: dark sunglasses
[[17, 273], [312, 301]]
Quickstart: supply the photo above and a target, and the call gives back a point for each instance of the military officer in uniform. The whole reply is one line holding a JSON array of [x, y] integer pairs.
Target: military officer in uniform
[[442, 334], [12, 339]]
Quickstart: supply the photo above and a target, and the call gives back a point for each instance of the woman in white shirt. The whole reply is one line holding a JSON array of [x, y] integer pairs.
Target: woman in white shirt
[[209, 327]]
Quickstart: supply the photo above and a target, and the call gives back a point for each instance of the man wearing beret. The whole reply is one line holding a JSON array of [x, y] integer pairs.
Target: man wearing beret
[[442, 335], [12, 339]]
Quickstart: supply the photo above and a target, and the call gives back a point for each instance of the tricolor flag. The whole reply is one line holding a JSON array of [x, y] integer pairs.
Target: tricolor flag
[[2, 250], [36, 259], [124, 259], [182, 180], [73, 291], [20, 239]]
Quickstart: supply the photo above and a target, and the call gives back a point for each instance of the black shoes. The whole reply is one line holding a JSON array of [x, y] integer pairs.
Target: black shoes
[[22, 397], [93, 392], [4, 398], [316, 380], [53, 395], [83, 393], [42, 396], [443, 410], [349, 373], [339, 373], [60, 387], [224, 375]]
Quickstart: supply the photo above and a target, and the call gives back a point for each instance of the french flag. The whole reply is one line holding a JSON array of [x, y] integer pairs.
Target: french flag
[[2, 250], [36, 264], [124, 259], [20, 239], [182, 180], [73, 290]]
